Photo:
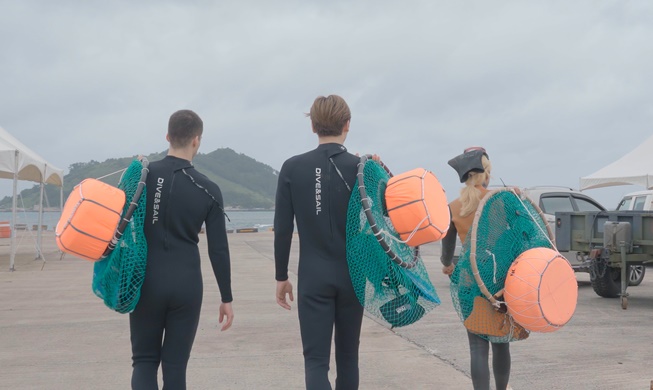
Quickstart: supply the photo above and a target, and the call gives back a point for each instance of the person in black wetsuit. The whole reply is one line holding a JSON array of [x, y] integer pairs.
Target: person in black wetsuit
[[314, 189], [179, 201]]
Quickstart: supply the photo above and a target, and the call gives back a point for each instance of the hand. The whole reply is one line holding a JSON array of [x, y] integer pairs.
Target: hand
[[448, 269], [226, 311], [284, 288]]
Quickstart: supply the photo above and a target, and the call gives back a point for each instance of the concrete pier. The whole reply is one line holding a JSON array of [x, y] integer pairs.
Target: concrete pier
[[55, 334]]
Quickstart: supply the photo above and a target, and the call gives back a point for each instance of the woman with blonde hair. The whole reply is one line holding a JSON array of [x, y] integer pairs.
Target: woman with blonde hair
[[474, 167]]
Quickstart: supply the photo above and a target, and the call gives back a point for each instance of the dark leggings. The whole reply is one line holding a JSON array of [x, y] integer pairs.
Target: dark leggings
[[163, 328], [479, 352], [321, 306]]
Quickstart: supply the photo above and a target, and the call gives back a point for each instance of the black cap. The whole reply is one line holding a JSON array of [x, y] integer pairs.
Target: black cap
[[467, 162]]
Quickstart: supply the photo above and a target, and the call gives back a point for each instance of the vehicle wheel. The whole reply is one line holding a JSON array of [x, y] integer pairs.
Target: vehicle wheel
[[606, 281], [636, 275]]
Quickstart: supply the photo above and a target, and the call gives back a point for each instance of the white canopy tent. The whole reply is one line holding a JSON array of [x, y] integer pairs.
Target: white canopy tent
[[18, 162], [636, 168]]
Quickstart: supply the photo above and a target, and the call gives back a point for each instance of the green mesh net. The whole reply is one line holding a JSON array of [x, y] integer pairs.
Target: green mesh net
[[505, 225], [388, 276], [117, 278]]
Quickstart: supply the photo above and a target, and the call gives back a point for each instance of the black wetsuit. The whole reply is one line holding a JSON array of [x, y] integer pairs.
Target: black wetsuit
[[164, 323], [311, 191]]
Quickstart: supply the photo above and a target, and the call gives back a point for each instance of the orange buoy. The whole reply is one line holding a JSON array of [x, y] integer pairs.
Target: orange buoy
[[89, 219], [5, 229], [417, 207], [541, 290]]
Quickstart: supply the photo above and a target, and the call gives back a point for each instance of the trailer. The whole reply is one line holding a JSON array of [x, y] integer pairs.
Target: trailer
[[609, 242]]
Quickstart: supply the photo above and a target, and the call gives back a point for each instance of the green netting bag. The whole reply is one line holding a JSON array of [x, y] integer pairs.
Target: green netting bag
[[505, 225], [118, 277], [388, 276]]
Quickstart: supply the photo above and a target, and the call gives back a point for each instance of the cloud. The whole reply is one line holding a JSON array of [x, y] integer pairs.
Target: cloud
[[553, 90]]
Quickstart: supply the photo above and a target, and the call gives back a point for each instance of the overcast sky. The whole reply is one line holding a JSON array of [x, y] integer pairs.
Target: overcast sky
[[554, 90]]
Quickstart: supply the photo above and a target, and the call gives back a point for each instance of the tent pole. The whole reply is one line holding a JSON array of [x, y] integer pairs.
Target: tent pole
[[39, 234], [60, 214], [47, 200], [12, 256]]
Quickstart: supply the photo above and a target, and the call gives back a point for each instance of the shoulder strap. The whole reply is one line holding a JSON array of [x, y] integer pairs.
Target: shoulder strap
[[340, 174]]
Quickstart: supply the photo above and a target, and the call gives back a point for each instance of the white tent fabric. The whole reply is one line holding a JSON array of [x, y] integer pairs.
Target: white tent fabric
[[17, 159], [635, 168], [18, 162]]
